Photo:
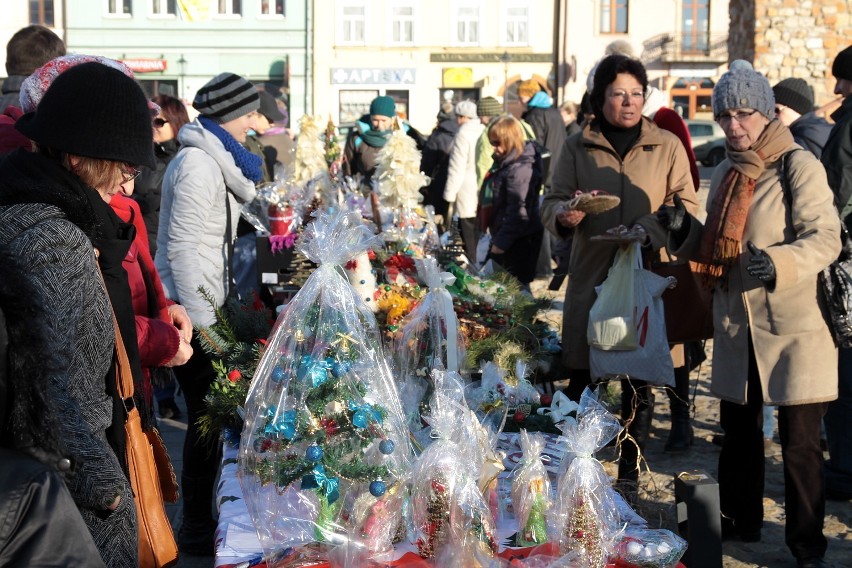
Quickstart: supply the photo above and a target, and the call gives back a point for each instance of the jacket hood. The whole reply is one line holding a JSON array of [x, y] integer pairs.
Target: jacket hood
[[540, 100], [194, 135]]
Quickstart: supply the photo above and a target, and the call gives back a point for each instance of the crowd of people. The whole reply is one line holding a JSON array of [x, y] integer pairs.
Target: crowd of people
[[116, 206]]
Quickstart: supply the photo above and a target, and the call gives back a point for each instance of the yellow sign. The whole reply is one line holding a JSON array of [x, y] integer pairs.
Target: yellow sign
[[458, 77]]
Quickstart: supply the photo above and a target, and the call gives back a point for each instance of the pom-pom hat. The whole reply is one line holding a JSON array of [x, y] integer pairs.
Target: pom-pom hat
[[225, 97], [94, 111], [743, 87]]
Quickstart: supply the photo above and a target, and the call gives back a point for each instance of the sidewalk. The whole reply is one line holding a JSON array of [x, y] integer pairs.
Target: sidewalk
[[173, 432]]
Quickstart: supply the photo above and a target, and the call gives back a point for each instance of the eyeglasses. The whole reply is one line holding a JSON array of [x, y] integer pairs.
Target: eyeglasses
[[129, 173], [740, 117], [624, 95], [160, 122]]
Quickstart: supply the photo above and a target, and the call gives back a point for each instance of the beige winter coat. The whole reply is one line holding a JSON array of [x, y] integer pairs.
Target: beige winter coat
[[654, 169], [796, 357]]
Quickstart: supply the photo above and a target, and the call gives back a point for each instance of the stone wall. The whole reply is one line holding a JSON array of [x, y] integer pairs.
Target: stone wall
[[791, 38]]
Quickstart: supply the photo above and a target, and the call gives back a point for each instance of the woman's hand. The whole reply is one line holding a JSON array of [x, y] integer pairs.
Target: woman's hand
[[760, 265], [183, 354], [114, 505], [180, 319], [570, 218], [672, 218]]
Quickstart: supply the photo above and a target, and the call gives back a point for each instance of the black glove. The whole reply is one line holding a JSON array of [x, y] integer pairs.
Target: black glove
[[673, 218], [760, 265]]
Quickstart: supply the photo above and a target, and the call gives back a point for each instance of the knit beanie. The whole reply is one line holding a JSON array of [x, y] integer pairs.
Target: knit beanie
[[743, 87], [842, 66], [528, 88], [269, 108], [225, 97], [466, 108], [489, 106], [794, 93], [383, 106], [94, 111]]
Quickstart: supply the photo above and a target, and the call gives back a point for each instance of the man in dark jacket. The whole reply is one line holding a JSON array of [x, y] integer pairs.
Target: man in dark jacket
[[546, 121], [837, 159], [794, 106], [30, 48], [436, 158]]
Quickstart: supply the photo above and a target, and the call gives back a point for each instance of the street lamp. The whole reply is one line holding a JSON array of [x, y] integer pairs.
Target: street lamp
[[506, 58], [182, 62]]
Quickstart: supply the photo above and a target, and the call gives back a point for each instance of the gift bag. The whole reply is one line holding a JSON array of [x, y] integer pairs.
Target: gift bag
[[611, 324], [531, 491], [651, 360], [324, 432]]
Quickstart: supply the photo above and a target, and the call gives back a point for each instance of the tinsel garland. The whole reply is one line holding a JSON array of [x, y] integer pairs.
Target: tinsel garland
[[310, 159], [398, 172]]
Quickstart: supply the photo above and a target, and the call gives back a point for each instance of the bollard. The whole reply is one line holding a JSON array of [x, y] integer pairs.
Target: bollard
[[699, 520]]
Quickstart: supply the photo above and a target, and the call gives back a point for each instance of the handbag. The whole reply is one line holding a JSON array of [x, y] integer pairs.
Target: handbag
[[157, 546], [688, 307], [835, 281]]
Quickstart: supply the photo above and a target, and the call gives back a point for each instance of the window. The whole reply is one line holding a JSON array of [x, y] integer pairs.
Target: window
[[119, 8], [272, 7], [467, 25], [41, 13], [353, 23], [614, 16], [163, 7], [402, 25], [516, 25], [695, 25], [228, 8]]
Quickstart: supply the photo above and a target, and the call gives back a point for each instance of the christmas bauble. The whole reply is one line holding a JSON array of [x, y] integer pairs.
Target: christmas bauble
[[340, 368], [314, 453], [377, 488], [277, 374], [546, 400], [386, 447]]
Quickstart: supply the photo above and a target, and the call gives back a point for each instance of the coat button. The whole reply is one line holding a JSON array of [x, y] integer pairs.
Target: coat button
[[64, 464]]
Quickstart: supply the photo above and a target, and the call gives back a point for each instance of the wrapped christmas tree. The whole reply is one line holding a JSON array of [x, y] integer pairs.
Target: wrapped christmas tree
[[324, 425], [398, 172], [531, 492]]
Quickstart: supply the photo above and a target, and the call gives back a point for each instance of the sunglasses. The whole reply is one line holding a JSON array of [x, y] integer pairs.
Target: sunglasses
[[129, 173], [160, 122]]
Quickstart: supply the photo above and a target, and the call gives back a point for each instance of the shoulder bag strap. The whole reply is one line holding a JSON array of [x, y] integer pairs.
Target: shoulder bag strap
[[229, 243], [123, 374]]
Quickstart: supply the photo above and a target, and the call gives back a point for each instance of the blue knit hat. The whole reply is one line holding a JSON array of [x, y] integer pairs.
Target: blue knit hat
[[383, 106], [743, 87]]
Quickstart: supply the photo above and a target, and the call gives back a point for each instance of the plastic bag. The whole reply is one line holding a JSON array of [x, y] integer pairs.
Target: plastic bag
[[649, 548], [651, 361], [449, 512], [611, 319], [429, 338], [324, 426], [531, 491], [586, 517]]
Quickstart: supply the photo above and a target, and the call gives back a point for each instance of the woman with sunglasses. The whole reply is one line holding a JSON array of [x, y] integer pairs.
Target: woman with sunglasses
[[771, 228], [56, 219]]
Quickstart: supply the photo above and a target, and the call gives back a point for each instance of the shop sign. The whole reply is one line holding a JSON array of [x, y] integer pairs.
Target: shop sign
[[146, 65], [372, 76], [457, 77]]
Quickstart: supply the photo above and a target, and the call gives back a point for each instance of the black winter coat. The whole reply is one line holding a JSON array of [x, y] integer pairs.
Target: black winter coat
[[148, 189], [549, 131], [515, 184], [435, 163]]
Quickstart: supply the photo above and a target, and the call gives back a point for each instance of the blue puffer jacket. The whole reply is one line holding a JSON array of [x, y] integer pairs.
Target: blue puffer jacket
[[515, 183]]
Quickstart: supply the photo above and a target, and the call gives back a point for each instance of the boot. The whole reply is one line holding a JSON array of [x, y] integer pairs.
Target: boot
[[638, 394], [680, 435], [197, 530]]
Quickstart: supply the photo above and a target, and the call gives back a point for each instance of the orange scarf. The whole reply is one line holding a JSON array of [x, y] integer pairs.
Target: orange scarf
[[721, 242]]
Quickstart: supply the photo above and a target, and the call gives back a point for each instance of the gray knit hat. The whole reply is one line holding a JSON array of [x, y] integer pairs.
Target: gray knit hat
[[225, 97], [489, 106], [743, 87]]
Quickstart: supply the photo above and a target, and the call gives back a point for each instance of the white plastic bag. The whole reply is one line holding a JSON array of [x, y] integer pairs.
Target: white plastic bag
[[651, 361], [611, 325]]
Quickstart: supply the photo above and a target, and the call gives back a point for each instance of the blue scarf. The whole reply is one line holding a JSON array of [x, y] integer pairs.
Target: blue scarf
[[248, 163]]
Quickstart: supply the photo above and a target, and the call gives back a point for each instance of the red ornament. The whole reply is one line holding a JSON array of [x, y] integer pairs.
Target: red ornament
[[330, 426], [520, 416], [234, 375], [546, 400]]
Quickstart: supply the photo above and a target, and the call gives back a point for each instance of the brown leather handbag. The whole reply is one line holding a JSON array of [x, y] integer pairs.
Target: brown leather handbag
[[157, 546], [688, 306]]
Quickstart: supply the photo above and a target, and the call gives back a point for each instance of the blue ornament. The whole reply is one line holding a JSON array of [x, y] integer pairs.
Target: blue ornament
[[232, 437], [314, 453], [277, 374], [386, 447], [340, 368], [377, 488]]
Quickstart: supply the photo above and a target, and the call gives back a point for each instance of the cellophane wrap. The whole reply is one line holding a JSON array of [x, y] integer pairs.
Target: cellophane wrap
[[323, 422], [649, 548], [428, 339], [586, 517], [531, 491], [449, 512]]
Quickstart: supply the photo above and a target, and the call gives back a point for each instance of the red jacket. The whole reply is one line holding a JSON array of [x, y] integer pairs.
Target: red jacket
[[158, 338], [667, 119]]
